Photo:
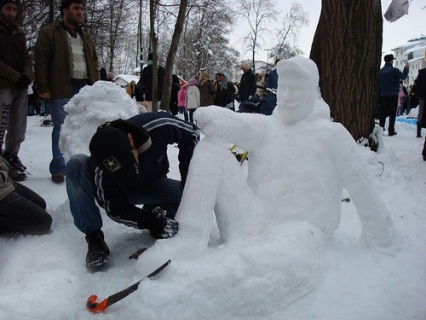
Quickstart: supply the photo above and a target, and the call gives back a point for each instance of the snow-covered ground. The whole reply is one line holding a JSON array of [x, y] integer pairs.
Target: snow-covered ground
[[44, 277]]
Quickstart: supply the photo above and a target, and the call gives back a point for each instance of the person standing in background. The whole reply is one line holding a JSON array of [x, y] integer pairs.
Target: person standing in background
[[146, 82], [174, 95], [206, 90], [192, 98], [247, 86], [389, 82], [16, 74], [421, 119], [65, 62], [181, 101]]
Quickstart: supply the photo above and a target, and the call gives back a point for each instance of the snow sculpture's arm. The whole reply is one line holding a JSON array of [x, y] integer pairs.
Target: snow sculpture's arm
[[238, 128], [377, 225]]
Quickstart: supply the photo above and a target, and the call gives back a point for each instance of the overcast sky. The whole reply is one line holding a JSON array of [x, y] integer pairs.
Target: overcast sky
[[394, 34]]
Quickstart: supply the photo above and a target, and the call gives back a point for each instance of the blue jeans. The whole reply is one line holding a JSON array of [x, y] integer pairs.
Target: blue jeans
[[57, 165], [165, 193]]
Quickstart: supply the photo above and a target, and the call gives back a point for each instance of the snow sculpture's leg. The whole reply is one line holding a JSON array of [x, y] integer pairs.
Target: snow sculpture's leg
[[216, 183]]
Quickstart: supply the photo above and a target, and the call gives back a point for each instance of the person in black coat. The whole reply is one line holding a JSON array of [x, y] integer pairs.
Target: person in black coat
[[389, 86], [174, 95], [421, 92], [247, 86], [146, 82], [128, 166]]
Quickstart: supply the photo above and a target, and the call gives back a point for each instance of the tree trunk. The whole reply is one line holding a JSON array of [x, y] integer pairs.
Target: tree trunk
[[167, 87], [154, 43], [347, 50]]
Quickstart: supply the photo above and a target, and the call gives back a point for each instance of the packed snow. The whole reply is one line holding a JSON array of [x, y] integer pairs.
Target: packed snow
[[285, 243]]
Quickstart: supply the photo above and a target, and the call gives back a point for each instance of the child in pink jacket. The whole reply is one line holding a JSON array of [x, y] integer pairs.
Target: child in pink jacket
[[181, 96]]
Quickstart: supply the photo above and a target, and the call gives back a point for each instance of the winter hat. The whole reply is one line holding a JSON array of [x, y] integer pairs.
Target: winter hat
[[245, 65], [192, 81], [67, 3], [389, 58], [110, 149], [140, 136], [183, 84], [4, 2]]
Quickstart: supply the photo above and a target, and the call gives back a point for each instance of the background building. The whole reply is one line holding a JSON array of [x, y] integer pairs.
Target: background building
[[413, 52]]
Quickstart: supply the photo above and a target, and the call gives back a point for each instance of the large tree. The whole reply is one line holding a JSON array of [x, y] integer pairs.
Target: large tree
[[288, 33], [257, 13], [205, 43], [347, 50], [165, 102]]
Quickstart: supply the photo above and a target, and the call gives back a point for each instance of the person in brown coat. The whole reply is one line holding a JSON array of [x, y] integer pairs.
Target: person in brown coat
[[206, 90], [16, 74], [65, 61]]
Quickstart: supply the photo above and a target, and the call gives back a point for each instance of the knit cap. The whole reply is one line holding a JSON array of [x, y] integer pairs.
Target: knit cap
[[67, 3], [4, 2], [111, 151]]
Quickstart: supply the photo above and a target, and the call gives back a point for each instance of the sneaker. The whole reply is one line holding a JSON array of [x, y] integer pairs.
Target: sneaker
[[58, 177], [98, 251], [14, 162], [392, 134], [16, 175]]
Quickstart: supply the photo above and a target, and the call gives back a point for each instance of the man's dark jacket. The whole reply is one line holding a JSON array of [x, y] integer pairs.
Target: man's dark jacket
[[164, 129], [14, 58], [389, 79], [247, 85], [146, 82]]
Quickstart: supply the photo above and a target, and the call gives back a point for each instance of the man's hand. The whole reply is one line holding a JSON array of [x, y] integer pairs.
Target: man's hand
[[23, 82], [44, 95], [162, 227]]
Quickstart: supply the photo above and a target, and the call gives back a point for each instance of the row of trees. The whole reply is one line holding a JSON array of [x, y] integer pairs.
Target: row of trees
[[184, 35], [123, 30]]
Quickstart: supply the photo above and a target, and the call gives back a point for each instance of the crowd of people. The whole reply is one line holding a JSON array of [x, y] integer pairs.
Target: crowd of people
[[128, 163]]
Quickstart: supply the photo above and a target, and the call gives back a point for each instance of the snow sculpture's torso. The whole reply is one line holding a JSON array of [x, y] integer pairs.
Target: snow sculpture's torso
[[300, 178]]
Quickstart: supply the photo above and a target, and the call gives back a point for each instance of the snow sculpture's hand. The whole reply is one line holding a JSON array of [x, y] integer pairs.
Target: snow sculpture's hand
[[211, 119], [161, 226]]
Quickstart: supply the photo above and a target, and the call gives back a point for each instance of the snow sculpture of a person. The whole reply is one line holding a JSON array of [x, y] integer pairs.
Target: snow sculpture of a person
[[276, 224], [299, 163]]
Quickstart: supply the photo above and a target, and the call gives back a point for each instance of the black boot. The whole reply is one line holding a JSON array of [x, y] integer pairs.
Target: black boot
[[98, 253], [17, 169], [419, 130]]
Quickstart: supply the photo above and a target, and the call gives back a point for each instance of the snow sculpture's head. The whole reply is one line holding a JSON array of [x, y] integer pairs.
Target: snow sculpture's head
[[297, 88]]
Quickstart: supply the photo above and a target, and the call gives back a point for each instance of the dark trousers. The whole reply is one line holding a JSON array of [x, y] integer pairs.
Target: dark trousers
[[191, 115], [388, 106], [23, 211], [424, 150]]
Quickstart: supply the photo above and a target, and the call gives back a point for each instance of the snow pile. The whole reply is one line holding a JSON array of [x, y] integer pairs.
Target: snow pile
[[268, 256], [94, 105]]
